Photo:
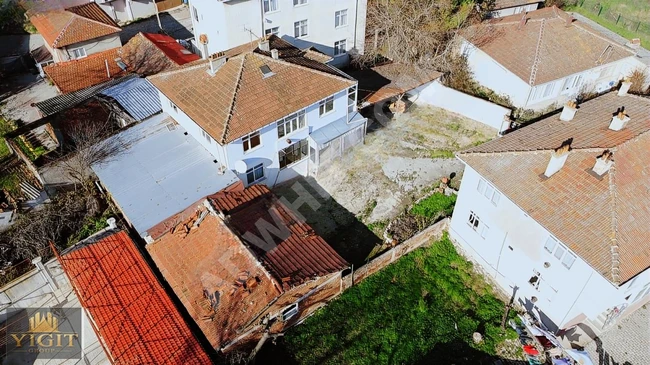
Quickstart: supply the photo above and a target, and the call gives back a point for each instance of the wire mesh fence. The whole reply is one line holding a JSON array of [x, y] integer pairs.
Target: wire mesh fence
[[597, 8]]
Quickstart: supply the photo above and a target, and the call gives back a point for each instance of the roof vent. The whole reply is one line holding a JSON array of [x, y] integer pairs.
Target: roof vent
[[569, 111], [625, 87], [558, 158], [619, 120], [523, 21], [216, 61], [275, 54], [264, 45], [603, 163], [266, 71], [121, 63]]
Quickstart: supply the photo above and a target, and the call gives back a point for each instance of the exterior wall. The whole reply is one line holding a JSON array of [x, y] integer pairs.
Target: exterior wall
[[267, 152], [127, 10], [513, 10], [142, 8], [436, 94], [232, 23], [513, 249], [92, 46]]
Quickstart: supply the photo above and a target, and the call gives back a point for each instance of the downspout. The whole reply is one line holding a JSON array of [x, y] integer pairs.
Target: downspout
[[262, 17], [356, 20]]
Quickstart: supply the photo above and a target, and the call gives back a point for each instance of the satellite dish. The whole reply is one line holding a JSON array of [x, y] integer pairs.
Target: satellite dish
[[203, 39], [241, 167]]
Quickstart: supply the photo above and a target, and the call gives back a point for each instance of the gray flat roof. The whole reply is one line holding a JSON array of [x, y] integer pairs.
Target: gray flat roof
[[337, 128], [160, 173]]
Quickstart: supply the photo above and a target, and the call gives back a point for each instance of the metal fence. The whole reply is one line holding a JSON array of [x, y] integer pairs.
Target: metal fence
[[598, 9]]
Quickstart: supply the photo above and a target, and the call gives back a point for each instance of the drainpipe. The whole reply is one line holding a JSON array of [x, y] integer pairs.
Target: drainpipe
[[356, 20], [128, 9], [262, 17]]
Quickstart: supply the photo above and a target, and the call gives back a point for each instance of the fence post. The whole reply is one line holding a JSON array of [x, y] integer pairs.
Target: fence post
[[637, 26], [600, 10], [618, 18]]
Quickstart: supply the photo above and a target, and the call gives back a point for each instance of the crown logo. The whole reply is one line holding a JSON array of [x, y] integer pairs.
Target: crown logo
[[43, 324]]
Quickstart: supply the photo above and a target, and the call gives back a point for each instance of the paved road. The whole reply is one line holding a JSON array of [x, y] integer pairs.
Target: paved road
[[176, 22], [628, 343]]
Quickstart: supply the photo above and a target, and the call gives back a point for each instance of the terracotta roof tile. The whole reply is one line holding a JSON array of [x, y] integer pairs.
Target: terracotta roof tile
[[502, 4], [148, 54], [238, 99], [80, 23], [79, 74], [544, 48], [131, 311], [591, 216]]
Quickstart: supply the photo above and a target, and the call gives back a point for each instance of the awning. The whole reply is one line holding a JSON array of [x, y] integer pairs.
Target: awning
[[337, 128]]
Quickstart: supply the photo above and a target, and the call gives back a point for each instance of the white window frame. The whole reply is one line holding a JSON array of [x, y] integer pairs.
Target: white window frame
[[300, 2], [246, 141], [290, 312], [195, 13], [254, 170], [560, 252], [323, 104], [173, 106], [340, 47], [644, 291], [572, 84], [74, 51], [352, 99], [299, 27], [341, 18], [273, 30], [292, 123], [270, 6], [490, 192], [206, 136], [299, 144], [473, 221]]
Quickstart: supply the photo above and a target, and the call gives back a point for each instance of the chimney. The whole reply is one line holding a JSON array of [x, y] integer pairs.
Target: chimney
[[264, 45], [523, 21], [625, 87], [619, 120], [603, 163], [634, 43], [558, 158], [569, 21], [275, 54], [216, 60], [569, 111]]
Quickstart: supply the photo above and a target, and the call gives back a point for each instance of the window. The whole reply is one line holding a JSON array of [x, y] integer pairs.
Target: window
[[78, 53], [484, 231], [341, 18], [274, 31], [289, 312], [606, 72], [642, 293], [473, 221], [550, 244], [173, 106], [326, 106], [255, 174], [559, 251], [251, 141], [292, 123], [270, 5], [293, 153], [553, 247], [568, 260], [206, 136], [340, 47], [489, 192], [543, 91], [572, 83], [300, 29], [352, 99], [299, 2], [195, 13]]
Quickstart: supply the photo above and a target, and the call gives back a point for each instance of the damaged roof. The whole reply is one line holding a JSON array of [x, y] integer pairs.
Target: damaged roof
[[79, 74], [137, 96], [603, 220]]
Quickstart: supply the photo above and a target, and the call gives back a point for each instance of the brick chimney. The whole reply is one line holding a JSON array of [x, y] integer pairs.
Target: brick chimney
[[264, 45], [558, 158], [216, 60], [569, 111], [625, 87], [603, 163], [275, 54], [619, 120]]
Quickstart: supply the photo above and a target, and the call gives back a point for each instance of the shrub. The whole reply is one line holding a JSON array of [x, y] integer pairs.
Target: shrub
[[435, 205]]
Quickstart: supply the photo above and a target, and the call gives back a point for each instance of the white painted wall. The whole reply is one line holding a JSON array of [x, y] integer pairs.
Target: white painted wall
[[127, 10], [436, 94], [513, 10], [267, 152], [513, 248], [92, 46], [232, 23]]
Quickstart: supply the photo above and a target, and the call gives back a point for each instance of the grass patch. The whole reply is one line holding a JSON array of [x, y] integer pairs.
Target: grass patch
[[435, 205], [441, 154], [91, 226], [378, 227], [11, 183], [5, 127], [424, 308], [611, 25]]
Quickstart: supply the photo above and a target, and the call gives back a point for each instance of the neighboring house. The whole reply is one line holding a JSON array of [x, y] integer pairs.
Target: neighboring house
[[148, 54], [85, 72], [509, 7], [557, 212], [77, 32], [129, 309], [158, 171], [134, 100], [242, 263], [334, 27], [14, 49], [270, 114], [544, 58], [123, 11]]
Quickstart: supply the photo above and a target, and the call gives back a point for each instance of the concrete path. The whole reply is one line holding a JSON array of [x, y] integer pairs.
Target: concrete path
[[20, 92]]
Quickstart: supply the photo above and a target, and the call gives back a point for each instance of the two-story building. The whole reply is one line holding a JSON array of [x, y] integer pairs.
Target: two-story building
[[334, 27], [76, 32], [544, 57], [270, 114], [557, 212]]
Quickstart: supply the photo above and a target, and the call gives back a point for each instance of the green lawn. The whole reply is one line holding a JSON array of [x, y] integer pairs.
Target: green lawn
[[423, 309]]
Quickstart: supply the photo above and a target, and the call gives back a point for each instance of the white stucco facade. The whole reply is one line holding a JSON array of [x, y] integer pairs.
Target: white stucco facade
[[498, 13], [492, 75], [232, 155], [509, 245], [123, 11], [89, 47], [231, 23]]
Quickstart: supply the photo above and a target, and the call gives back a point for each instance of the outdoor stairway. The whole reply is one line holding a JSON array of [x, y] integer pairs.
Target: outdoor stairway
[[30, 192]]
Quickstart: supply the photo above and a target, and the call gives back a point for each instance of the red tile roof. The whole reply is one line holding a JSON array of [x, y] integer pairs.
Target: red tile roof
[[79, 74], [174, 50], [77, 24], [544, 48], [603, 220], [132, 313]]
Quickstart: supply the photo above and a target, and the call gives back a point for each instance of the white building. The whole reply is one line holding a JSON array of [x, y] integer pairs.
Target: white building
[[565, 229], [334, 27], [269, 115], [545, 57], [509, 7], [128, 10]]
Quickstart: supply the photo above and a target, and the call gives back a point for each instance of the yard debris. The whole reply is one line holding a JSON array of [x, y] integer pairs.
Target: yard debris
[[477, 338]]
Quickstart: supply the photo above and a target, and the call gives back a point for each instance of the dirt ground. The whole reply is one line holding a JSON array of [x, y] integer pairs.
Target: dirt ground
[[375, 181]]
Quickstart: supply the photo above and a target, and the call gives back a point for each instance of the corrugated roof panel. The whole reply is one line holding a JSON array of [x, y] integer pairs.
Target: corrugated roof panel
[[137, 96], [336, 128]]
